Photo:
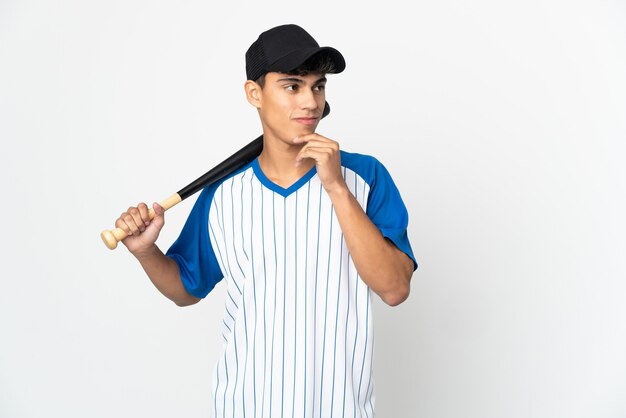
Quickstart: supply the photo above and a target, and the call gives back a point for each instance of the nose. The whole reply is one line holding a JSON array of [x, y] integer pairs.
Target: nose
[[308, 100]]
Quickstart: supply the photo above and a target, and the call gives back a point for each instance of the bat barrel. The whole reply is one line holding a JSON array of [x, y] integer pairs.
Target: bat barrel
[[232, 163]]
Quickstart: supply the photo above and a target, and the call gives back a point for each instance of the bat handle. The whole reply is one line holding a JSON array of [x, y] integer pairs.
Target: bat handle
[[112, 236]]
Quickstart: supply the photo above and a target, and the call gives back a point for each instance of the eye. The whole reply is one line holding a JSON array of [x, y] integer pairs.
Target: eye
[[321, 87], [291, 87]]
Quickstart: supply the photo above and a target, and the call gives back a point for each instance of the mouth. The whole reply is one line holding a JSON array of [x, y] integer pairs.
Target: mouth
[[308, 121]]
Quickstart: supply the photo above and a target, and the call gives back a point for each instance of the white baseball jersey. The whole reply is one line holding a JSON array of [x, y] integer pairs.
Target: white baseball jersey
[[297, 334]]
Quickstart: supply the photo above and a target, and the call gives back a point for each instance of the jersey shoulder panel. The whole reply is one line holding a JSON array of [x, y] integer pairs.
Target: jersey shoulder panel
[[385, 206]]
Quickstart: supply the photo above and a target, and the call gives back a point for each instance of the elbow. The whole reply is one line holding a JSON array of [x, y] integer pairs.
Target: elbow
[[396, 296], [401, 288], [191, 300]]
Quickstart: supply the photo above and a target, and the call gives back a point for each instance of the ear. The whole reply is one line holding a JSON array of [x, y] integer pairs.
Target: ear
[[254, 93]]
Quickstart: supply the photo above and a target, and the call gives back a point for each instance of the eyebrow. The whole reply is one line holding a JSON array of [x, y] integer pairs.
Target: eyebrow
[[299, 80]]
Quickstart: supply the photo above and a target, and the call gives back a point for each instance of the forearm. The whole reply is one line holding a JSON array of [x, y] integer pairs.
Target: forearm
[[380, 264], [165, 275]]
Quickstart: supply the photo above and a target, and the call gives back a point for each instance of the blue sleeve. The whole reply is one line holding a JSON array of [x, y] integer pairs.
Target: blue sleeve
[[386, 209], [192, 251]]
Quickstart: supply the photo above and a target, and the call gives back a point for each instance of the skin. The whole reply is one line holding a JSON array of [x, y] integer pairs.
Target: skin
[[290, 108]]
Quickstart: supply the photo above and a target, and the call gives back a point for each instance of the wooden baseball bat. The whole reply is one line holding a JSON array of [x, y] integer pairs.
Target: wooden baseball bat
[[237, 160], [229, 165]]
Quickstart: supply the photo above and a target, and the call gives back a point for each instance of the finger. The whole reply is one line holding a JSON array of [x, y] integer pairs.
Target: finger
[[122, 225], [139, 223], [127, 223], [319, 154], [332, 146], [326, 147], [329, 144], [309, 137], [143, 213]]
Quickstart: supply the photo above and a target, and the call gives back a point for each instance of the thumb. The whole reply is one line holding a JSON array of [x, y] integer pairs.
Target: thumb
[[159, 215]]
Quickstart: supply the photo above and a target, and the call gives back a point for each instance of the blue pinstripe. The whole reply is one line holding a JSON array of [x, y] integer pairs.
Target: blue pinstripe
[[282, 404], [332, 399], [221, 212], [232, 214], [330, 246], [306, 275], [243, 241], [264, 303], [295, 298], [275, 284], [364, 348], [317, 255], [256, 312]]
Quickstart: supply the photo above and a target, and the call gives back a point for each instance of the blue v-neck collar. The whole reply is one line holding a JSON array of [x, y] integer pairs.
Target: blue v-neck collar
[[275, 187]]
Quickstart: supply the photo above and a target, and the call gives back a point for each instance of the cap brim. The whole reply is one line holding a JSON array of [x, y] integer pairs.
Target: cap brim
[[295, 59]]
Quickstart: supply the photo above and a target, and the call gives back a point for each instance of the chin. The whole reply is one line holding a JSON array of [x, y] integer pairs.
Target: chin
[[304, 130], [289, 135]]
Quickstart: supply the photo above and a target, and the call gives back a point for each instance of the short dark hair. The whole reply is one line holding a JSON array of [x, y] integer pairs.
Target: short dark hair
[[320, 63]]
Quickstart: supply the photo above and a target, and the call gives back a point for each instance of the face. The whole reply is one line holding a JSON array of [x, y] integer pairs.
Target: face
[[291, 105]]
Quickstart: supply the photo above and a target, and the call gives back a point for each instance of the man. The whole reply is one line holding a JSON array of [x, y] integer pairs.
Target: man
[[301, 235]]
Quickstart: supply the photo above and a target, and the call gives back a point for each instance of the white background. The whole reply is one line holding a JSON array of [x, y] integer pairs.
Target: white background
[[503, 124]]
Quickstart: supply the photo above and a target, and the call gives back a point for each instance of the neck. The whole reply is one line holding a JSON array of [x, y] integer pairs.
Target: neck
[[278, 161]]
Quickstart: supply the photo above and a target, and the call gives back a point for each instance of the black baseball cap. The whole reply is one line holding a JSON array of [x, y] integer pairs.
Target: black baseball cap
[[284, 48]]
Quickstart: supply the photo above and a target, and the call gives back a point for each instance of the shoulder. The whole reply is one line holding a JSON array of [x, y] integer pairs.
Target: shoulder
[[366, 166]]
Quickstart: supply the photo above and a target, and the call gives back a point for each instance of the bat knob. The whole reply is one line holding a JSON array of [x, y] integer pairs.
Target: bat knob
[[109, 239]]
